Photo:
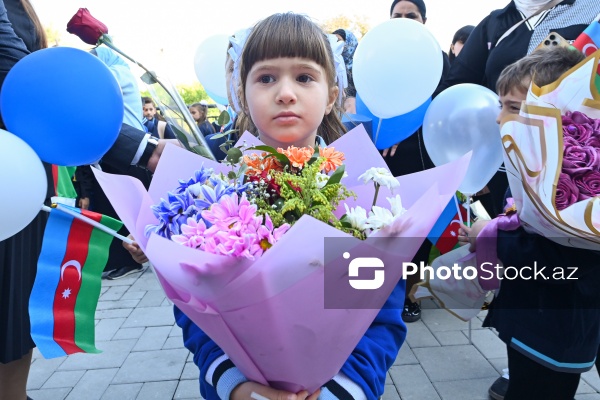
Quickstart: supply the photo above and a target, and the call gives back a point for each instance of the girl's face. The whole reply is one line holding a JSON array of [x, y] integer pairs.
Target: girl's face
[[198, 113], [287, 99], [195, 113]]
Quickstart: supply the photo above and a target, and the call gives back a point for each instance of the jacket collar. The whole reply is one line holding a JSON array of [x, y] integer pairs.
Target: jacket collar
[[511, 7]]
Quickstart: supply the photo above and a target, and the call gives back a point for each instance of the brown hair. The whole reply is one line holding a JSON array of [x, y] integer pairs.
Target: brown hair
[[42, 40], [203, 109], [545, 65], [292, 35]]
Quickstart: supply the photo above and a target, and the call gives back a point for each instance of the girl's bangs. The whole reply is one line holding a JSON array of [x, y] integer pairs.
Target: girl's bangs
[[286, 35]]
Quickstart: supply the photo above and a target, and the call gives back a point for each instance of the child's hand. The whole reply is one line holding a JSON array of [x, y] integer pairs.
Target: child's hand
[[135, 251], [256, 391], [469, 234]]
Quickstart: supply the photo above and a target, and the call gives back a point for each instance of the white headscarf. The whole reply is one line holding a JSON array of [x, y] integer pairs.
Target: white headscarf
[[528, 7]]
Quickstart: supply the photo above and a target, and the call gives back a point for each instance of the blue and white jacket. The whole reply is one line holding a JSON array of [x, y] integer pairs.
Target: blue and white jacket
[[362, 376]]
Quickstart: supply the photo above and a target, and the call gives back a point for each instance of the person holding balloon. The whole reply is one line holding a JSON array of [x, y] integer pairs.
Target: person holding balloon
[[502, 38], [20, 33], [396, 93]]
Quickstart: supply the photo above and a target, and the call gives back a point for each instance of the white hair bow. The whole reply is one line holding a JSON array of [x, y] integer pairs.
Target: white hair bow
[[238, 40]]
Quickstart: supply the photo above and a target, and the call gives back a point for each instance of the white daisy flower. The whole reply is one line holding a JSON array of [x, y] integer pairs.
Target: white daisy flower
[[380, 176], [396, 205], [379, 217], [357, 217]]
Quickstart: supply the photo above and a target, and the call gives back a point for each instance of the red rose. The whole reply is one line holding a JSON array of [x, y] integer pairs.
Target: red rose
[[88, 28]]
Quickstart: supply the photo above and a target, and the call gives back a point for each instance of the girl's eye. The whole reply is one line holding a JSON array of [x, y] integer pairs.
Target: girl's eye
[[266, 79], [304, 78]]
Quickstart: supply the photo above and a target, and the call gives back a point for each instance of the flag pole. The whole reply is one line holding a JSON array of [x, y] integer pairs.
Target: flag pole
[[88, 221]]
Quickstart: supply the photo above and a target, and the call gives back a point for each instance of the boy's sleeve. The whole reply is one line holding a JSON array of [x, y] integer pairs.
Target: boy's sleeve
[[169, 134], [363, 375], [218, 375]]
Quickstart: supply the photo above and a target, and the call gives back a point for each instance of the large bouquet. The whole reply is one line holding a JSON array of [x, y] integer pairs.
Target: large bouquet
[[552, 158], [251, 270]]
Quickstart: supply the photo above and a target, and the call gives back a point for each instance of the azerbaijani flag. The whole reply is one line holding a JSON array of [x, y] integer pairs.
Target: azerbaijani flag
[[444, 234], [588, 42], [67, 285]]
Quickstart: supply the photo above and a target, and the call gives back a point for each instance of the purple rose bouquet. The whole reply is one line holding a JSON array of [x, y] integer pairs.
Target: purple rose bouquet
[[580, 176], [552, 158]]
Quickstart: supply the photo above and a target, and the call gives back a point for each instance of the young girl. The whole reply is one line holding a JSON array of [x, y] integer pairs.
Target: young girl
[[199, 111], [290, 93]]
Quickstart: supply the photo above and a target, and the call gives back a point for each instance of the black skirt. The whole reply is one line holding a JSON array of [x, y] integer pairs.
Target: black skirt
[[18, 265]]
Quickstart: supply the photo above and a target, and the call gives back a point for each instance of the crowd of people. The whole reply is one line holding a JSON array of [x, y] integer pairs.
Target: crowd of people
[[548, 346]]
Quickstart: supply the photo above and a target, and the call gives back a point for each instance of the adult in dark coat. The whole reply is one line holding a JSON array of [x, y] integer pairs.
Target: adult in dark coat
[[20, 33], [484, 55], [410, 155]]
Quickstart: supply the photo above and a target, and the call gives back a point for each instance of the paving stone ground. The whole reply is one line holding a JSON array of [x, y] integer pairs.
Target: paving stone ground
[[143, 357]]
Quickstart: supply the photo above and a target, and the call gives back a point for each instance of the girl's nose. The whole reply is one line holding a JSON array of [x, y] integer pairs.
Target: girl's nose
[[285, 93]]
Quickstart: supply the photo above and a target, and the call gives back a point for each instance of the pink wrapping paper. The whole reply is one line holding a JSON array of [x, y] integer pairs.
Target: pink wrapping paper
[[268, 315]]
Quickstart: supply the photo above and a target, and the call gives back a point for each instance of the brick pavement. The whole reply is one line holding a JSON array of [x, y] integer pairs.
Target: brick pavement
[[144, 359]]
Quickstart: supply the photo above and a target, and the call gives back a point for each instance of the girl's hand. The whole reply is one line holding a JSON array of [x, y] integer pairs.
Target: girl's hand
[[256, 391], [136, 253], [469, 234]]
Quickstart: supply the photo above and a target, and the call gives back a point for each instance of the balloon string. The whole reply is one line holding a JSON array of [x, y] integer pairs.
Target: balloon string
[[378, 128]]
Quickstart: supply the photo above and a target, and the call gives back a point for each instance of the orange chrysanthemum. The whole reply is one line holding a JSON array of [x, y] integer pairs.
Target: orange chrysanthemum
[[333, 159], [298, 156]]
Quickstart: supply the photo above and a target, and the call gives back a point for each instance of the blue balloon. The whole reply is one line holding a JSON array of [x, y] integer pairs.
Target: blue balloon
[[396, 129], [65, 103]]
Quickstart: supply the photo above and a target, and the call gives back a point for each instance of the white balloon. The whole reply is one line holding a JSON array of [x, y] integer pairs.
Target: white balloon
[[209, 64], [397, 66], [461, 119], [23, 182]]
